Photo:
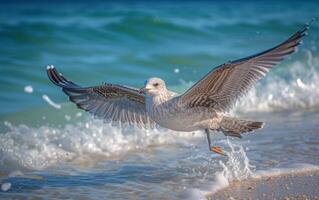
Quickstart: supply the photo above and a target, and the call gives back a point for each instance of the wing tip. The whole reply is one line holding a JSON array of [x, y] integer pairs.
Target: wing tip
[[304, 31], [297, 39], [308, 24], [57, 78], [50, 67], [51, 75]]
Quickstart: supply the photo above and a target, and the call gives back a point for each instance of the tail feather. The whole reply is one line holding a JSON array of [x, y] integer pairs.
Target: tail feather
[[235, 127]]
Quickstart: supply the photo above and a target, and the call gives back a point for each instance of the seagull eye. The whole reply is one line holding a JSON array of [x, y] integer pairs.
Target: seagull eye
[[155, 84]]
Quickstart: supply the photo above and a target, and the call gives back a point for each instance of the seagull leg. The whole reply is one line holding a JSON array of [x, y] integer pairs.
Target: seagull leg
[[215, 149], [208, 138]]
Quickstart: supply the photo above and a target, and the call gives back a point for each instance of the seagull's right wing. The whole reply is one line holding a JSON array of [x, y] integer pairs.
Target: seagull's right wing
[[112, 102], [225, 84]]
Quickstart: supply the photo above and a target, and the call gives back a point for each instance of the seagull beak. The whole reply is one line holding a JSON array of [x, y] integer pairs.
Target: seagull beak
[[143, 90]]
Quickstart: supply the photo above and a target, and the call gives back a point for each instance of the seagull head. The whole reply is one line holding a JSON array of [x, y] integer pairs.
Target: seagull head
[[153, 87]]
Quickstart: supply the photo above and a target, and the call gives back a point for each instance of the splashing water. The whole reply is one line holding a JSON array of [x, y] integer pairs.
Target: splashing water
[[39, 148], [50, 102], [28, 89], [236, 167]]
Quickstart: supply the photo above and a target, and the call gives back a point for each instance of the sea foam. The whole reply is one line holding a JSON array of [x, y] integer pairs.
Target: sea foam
[[24, 147]]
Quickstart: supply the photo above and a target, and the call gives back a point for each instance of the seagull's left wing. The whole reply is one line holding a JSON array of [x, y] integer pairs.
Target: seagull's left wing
[[222, 87], [113, 102]]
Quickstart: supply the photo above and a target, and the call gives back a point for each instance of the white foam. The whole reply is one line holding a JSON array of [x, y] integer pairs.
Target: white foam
[[223, 178], [295, 169], [38, 148], [50, 102], [277, 94]]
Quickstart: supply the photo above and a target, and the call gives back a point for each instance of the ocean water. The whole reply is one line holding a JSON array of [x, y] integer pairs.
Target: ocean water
[[49, 149]]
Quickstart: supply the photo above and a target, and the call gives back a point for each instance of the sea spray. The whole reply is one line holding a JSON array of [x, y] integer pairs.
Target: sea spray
[[236, 167], [25, 147], [47, 99], [28, 89]]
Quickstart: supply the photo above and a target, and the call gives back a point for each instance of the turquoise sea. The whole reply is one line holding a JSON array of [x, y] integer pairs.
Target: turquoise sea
[[58, 151]]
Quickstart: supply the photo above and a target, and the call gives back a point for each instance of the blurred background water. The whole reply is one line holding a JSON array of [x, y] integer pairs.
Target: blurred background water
[[51, 152]]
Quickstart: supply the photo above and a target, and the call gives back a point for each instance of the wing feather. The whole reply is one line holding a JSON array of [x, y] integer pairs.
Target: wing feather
[[111, 102], [225, 84]]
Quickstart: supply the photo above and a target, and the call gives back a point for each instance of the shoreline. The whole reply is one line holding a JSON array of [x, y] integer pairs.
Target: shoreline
[[300, 185]]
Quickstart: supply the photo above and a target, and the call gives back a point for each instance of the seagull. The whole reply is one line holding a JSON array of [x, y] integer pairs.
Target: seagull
[[205, 106]]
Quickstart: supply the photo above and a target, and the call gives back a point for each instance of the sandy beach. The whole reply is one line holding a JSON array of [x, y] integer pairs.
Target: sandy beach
[[288, 186]]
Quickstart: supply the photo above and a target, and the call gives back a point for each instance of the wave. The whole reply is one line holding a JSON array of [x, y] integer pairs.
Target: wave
[[24, 147], [299, 92]]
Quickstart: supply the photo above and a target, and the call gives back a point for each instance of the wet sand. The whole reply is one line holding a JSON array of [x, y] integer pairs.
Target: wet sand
[[288, 186]]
